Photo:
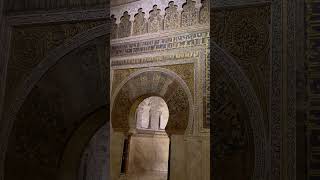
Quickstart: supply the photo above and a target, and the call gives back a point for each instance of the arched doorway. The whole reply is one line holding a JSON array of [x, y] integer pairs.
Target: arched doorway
[[148, 145], [126, 98]]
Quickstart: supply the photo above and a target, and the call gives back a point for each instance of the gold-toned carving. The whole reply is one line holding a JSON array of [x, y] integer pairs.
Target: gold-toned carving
[[171, 18], [124, 29], [122, 104], [155, 20], [139, 24], [176, 42], [186, 72], [189, 15], [204, 13], [147, 84], [178, 107], [119, 75], [153, 59], [114, 27]]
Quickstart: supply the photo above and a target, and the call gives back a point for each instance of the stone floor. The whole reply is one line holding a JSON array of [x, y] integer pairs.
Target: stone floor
[[148, 176]]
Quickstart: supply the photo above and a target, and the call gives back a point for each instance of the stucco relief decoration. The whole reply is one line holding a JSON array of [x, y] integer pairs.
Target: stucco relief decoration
[[189, 15], [140, 23], [124, 29], [155, 20], [179, 109], [171, 18], [30, 44], [247, 32], [157, 84], [204, 13], [114, 27], [120, 120]]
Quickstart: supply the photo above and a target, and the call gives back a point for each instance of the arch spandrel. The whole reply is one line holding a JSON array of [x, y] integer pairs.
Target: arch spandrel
[[153, 83]]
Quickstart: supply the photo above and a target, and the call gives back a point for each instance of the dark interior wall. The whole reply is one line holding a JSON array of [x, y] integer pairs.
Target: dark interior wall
[[55, 107], [13, 6], [243, 33], [233, 149], [309, 91], [94, 163]]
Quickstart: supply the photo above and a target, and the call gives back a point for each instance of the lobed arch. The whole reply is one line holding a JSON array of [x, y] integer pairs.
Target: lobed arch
[[149, 82]]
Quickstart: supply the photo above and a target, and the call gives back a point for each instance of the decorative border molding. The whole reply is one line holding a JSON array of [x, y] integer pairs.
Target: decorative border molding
[[57, 16], [171, 55], [162, 34], [312, 91], [282, 127], [292, 56], [275, 132]]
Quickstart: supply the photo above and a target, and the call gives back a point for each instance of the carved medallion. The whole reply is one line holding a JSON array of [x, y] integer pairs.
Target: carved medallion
[[124, 29], [139, 24], [247, 32], [171, 19], [189, 15], [155, 20]]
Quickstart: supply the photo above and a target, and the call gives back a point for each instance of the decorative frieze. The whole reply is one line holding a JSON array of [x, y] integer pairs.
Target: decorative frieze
[[161, 44], [149, 16], [153, 59]]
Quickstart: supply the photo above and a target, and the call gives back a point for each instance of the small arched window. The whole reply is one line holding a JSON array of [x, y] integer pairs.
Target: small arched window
[[152, 114]]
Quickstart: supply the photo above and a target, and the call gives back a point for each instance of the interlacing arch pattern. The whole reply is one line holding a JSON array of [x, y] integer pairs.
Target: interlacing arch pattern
[[171, 17]]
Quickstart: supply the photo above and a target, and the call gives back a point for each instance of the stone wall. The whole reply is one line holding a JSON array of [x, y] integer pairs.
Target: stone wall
[[49, 115], [149, 157], [310, 112], [169, 43]]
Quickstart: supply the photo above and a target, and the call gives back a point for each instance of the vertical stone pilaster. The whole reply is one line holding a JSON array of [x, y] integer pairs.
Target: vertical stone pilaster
[[177, 158]]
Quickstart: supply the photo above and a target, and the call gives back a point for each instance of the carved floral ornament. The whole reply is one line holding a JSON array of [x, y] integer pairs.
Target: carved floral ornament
[[173, 15]]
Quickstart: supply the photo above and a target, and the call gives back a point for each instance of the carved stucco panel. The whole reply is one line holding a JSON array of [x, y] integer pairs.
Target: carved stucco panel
[[124, 29], [176, 95], [30, 44], [139, 23], [155, 20], [172, 17], [189, 15]]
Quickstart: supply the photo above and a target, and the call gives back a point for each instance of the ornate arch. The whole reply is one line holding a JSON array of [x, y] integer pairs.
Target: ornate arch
[[219, 56], [23, 90], [148, 82]]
